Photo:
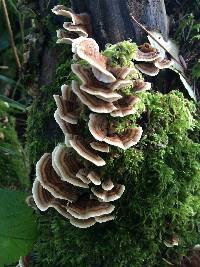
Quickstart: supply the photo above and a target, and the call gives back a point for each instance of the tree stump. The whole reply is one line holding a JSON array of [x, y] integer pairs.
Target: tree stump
[[112, 22]]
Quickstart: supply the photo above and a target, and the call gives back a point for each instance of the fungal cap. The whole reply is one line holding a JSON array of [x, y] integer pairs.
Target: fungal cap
[[77, 19], [104, 218], [98, 126], [87, 208], [82, 174], [80, 30], [94, 87], [147, 68], [83, 149], [140, 86], [67, 128], [92, 102], [88, 49], [100, 146], [82, 223], [111, 195], [107, 184], [94, 177], [68, 166], [41, 196], [67, 105], [163, 64], [52, 182], [146, 56]]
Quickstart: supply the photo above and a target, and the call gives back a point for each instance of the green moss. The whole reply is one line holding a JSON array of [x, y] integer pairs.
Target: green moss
[[121, 54], [162, 196], [42, 131], [13, 170]]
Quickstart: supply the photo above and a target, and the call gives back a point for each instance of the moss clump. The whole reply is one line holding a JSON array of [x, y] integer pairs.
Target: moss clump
[[162, 197], [43, 132], [13, 171], [121, 54]]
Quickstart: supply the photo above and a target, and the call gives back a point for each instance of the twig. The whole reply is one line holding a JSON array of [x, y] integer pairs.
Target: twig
[[11, 35], [151, 35], [3, 67]]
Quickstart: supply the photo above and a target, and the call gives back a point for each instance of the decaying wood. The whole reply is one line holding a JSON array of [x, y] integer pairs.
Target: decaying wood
[[111, 19]]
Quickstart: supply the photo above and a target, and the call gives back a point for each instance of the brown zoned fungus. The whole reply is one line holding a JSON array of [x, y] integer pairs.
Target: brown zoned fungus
[[80, 25], [155, 62], [65, 179]]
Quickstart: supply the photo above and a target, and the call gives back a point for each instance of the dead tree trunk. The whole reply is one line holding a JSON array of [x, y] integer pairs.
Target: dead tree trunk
[[111, 19]]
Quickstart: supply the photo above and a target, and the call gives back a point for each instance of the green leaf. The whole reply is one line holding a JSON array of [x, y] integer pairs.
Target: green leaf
[[7, 79], [12, 103], [17, 226]]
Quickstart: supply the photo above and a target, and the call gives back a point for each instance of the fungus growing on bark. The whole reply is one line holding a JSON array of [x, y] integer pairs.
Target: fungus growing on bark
[[44, 200], [86, 208], [156, 60], [147, 68], [66, 37], [109, 195], [100, 146], [67, 104], [68, 129], [88, 49], [125, 106], [163, 64], [86, 151], [80, 24], [121, 73], [82, 174], [102, 88], [50, 180], [94, 177], [107, 184], [99, 128], [68, 167], [140, 86], [104, 218], [94, 87], [147, 53], [92, 102], [82, 223]]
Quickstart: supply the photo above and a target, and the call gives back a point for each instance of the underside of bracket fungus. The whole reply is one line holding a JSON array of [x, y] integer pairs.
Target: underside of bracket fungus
[[71, 179], [150, 60], [80, 25]]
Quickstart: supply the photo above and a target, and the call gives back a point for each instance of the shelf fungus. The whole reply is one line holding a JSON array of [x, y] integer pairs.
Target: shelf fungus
[[80, 25], [68, 105], [151, 60], [73, 179], [86, 208], [100, 129], [109, 195], [86, 151], [88, 49]]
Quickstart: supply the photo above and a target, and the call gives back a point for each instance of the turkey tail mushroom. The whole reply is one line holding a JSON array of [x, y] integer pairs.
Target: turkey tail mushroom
[[80, 25], [71, 179]]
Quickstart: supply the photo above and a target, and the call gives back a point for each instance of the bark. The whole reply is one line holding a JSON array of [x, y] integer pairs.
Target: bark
[[111, 19]]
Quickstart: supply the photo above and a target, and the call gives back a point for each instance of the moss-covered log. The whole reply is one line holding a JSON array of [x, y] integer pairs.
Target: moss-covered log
[[112, 23]]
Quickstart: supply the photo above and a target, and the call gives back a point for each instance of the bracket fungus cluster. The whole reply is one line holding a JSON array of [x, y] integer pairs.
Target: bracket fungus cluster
[[71, 179], [151, 61]]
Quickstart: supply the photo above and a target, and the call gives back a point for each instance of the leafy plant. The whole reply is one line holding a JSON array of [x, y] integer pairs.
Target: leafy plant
[[17, 226], [13, 168], [196, 70]]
